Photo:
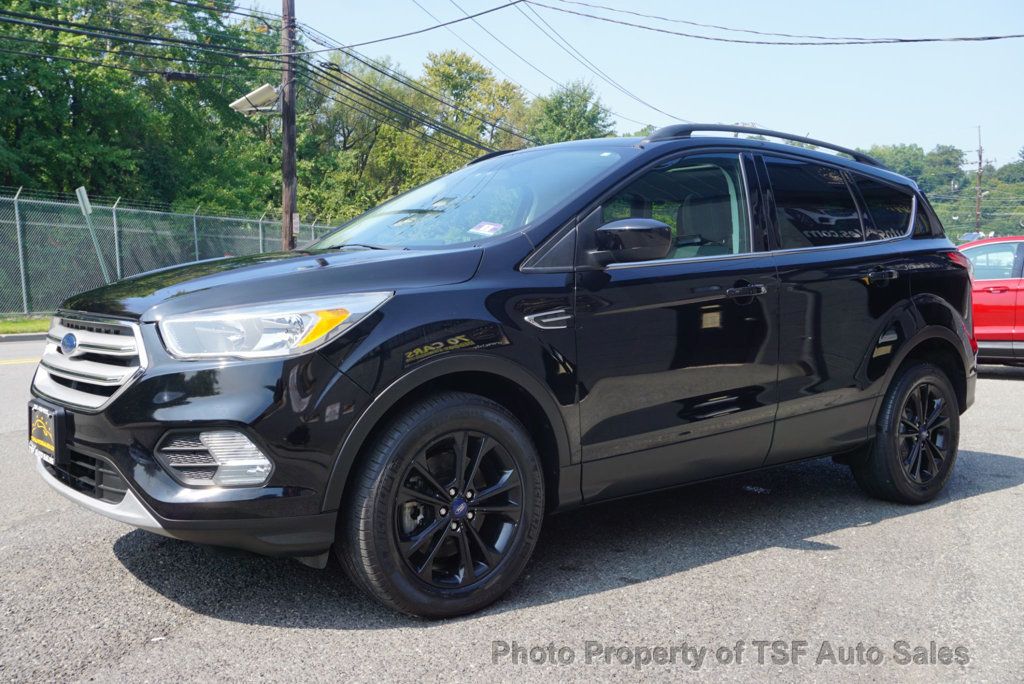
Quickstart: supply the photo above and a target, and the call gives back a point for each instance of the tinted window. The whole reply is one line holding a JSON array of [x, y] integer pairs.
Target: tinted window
[[886, 209], [813, 204], [701, 198], [993, 262]]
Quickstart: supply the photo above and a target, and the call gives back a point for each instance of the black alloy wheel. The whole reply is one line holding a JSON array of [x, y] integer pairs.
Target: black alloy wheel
[[445, 508], [916, 437], [924, 433], [457, 509]]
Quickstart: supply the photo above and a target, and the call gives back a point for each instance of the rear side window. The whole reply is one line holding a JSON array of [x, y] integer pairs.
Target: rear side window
[[813, 204], [994, 261], [886, 210]]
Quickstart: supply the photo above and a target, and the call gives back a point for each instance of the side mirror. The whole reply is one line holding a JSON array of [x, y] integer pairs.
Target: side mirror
[[632, 239]]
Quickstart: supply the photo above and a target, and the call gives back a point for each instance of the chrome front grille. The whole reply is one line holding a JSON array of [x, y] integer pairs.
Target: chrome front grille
[[106, 356]]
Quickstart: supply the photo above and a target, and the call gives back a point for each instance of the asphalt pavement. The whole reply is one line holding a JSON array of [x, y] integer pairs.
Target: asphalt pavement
[[790, 564]]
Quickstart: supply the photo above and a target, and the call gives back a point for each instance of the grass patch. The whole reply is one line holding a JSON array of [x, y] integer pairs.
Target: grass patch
[[24, 324]]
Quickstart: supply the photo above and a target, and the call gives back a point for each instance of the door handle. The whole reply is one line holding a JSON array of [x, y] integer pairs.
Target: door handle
[[745, 291], [996, 289], [882, 275]]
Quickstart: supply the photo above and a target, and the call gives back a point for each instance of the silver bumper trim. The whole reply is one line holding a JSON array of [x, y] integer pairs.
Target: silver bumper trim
[[130, 511]]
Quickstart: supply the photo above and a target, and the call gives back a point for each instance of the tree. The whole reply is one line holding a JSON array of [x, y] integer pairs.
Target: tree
[[943, 169], [643, 132], [111, 122], [907, 160], [570, 113]]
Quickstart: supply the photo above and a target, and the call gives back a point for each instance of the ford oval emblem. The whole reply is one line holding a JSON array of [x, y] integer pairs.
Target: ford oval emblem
[[68, 343]]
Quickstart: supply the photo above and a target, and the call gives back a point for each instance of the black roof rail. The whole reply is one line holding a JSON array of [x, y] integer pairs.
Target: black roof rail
[[488, 155], [685, 131]]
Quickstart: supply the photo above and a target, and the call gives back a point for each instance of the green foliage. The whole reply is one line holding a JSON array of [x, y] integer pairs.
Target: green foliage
[[67, 123], [10, 325], [574, 112], [944, 175]]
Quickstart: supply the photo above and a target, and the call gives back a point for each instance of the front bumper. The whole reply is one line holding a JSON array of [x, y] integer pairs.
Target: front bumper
[[297, 410], [130, 510], [293, 536]]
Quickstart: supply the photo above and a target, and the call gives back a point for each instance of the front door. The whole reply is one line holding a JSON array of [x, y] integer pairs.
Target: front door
[[997, 295], [677, 357]]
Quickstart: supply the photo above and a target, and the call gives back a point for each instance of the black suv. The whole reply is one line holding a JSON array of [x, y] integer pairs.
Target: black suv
[[541, 329]]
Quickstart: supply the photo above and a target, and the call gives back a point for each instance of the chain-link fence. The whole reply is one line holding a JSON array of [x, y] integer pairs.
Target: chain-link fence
[[48, 251]]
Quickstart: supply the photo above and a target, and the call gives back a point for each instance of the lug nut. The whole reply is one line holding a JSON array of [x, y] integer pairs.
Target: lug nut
[[455, 526], [469, 494], [469, 516], [452, 492], [443, 512]]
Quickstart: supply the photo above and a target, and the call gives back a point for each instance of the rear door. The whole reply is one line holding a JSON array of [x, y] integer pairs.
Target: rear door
[[677, 358], [843, 281], [997, 297]]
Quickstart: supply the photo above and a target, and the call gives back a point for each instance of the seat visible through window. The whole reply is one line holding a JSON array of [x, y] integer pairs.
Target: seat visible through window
[[701, 198]]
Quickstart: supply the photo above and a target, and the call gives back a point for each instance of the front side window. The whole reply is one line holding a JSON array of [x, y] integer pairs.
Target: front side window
[[813, 205], [993, 262], [886, 210], [701, 198], [493, 197]]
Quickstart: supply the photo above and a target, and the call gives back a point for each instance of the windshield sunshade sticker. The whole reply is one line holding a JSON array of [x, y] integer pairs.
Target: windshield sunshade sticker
[[486, 228]]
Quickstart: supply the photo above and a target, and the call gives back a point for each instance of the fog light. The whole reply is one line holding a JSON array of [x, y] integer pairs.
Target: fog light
[[239, 461], [211, 458]]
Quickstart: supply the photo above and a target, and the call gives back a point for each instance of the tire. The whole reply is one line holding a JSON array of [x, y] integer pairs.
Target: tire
[[911, 460], [405, 539]]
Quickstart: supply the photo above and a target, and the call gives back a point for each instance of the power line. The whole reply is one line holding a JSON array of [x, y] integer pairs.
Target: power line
[[385, 100], [326, 41], [396, 122], [477, 52], [402, 79], [112, 34], [117, 67], [507, 47], [719, 39], [531, 64], [582, 59], [187, 61], [60, 26], [711, 26], [407, 34]]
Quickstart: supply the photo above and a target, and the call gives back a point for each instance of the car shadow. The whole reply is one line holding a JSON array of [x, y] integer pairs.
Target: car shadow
[[581, 552], [1001, 372]]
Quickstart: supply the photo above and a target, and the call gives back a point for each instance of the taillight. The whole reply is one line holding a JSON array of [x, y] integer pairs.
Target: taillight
[[960, 259]]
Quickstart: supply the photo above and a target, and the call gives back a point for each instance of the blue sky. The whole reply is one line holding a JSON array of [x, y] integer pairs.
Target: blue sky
[[856, 95]]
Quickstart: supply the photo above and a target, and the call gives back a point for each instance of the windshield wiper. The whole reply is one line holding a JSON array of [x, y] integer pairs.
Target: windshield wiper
[[357, 245]]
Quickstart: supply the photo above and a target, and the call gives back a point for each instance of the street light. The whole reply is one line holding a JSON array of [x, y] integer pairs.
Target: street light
[[263, 100]]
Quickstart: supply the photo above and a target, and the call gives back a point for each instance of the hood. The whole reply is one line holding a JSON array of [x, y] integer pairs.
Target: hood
[[231, 282]]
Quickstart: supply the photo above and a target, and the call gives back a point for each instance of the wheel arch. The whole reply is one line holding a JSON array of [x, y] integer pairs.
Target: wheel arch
[[941, 347], [494, 377]]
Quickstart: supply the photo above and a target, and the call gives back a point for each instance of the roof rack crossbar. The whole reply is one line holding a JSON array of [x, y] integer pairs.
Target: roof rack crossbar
[[686, 131]]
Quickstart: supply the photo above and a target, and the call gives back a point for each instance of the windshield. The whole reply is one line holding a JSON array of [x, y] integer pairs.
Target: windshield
[[493, 197]]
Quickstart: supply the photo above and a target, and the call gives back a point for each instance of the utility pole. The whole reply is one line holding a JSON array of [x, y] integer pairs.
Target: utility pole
[[289, 182], [977, 186]]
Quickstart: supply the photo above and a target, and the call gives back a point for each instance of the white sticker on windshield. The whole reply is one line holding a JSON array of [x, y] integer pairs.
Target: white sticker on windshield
[[486, 228]]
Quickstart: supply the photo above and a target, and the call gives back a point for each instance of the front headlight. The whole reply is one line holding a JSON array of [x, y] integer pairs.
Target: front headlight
[[267, 330]]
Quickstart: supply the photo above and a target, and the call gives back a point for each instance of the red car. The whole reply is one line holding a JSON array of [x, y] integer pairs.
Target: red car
[[998, 298]]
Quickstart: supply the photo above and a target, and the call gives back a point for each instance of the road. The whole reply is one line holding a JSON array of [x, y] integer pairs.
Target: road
[[796, 554]]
